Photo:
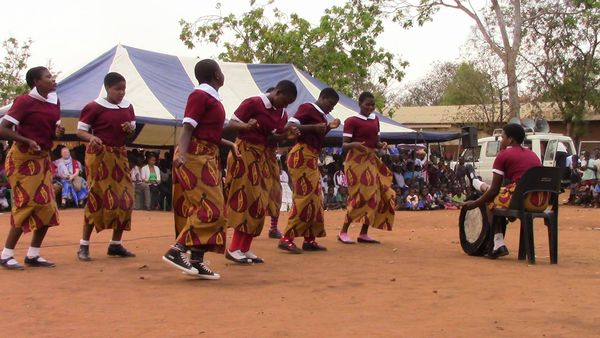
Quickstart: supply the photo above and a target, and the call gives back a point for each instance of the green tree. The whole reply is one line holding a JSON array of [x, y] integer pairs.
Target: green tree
[[468, 86], [340, 51], [498, 22], [11, 69], [562, 50]]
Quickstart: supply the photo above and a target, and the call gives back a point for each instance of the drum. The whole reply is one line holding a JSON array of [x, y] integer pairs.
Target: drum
[[474, 228]]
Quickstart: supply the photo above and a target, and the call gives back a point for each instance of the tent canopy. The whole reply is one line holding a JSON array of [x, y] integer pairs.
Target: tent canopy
[[158, 86]]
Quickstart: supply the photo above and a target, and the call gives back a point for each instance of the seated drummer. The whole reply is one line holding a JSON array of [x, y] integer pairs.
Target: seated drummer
[[510, 164]]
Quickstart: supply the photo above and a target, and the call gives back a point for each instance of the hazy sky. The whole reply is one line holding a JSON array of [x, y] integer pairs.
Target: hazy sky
[[73, 33]]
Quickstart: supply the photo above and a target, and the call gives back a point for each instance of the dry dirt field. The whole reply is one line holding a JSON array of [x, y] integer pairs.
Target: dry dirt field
[[417, 283]]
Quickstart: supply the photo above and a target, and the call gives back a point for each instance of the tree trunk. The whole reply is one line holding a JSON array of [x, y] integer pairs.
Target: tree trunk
[[514, 106]]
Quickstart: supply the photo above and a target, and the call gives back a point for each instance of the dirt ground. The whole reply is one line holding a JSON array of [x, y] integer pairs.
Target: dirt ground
[[417, 283]]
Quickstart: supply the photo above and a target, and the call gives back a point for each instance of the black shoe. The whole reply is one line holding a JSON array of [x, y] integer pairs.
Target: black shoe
[[38, 261], [238, 257], [254, 258], [15, 266], [118, 250], [313, 246], [204, 272], [84, 253], [178, 259], [501, 251], [274, 233], [289, 246]]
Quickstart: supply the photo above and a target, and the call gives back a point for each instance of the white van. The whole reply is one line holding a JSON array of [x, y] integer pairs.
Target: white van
[[543, 144]]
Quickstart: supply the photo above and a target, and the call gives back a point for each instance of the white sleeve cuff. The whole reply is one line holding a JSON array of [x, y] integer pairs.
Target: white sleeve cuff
[[132, 124], [499, 172], [294, 120], [12, 120], [191, 121], [58, 123], [347, 135], [83, 126]]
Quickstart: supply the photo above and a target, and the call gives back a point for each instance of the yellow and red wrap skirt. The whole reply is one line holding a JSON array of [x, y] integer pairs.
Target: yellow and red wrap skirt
[[371, 200], [30, 177], [198, 198], [273, 183], [306, 218], [534, 202], [249, 182], [110, 200]]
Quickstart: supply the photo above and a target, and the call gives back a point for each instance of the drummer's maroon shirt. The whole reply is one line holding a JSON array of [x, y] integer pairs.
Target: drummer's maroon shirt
[[513, 161]]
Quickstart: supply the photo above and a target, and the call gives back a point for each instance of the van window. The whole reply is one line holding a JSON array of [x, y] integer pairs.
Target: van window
[[492, 148], [551, 150]]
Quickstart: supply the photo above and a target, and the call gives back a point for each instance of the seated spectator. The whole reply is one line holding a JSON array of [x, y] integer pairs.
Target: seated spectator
[[342, 196], [330, 201], [141, 188], [74, 187], [460, 171], [4, 187], [412, 201], [429, 202], [449, 200], [459, 197]]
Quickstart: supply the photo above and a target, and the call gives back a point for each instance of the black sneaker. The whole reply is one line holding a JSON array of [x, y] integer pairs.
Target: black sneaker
[[501, 251], [289, 246], [313, 246], [118, 250], [204, 272], [274, 233], [178, 259], [84, 253], [38, 261], [12, 266]]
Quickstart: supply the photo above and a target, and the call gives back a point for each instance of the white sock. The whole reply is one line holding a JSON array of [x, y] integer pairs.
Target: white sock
[[498, 240], [84, 242], [7, 253], [115, 242], [33, 252], [477, 183]]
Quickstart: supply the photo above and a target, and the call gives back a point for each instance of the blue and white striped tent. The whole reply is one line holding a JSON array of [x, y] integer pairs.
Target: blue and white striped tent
[[158, 86]]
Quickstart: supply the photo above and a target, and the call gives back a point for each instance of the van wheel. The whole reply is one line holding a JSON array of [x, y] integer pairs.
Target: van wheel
[[473, 226]]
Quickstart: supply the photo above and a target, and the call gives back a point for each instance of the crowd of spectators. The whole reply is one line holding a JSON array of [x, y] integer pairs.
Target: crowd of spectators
[[584, 172]]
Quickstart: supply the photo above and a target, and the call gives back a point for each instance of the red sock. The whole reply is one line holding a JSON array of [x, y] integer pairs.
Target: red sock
[[236, 241], [246, 242]]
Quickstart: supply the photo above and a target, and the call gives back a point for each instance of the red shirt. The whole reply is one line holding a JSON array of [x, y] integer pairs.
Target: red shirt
[[205, 112], [35, 117], [270, 119], [512, 162], [363, 129], [310, 113], [104, 120]]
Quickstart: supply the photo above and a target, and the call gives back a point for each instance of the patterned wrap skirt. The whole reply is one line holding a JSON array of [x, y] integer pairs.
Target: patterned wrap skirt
[[249, 184], [371, 200], [273, 183], [534, 202], [306, 218], [198, 198], [110, 199], [30, 176]]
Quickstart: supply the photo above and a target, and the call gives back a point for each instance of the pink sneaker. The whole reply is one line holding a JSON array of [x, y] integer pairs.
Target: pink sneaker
[[344, 238]]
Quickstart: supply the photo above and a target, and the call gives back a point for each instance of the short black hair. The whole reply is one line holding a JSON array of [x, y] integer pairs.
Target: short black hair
[[288, 88], [365, 95], [205, 70], [112, 79], [515, 131], [270, 89], [33, 74], [329, 93]]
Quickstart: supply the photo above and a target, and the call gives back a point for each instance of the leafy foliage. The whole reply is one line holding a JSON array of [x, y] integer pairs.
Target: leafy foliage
[[340, 51], [11, 69]]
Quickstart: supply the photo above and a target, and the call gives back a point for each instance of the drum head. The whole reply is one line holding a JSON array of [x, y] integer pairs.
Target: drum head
[[473, 228]]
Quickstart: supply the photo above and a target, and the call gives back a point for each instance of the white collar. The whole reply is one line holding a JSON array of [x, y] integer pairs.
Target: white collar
[[52, 97], [205, 87], [370, 117], [266, 101], [318, 108], [104, 103]]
